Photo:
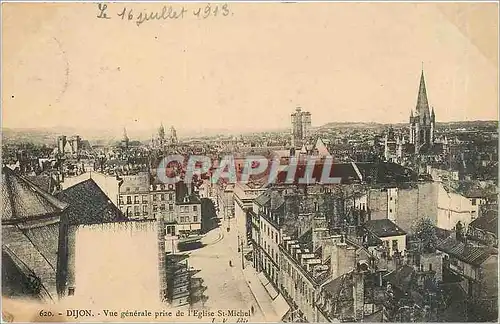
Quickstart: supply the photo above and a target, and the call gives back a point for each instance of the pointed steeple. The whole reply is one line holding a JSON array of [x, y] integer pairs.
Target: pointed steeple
[[161, 132], [125, 137], [422, 107]]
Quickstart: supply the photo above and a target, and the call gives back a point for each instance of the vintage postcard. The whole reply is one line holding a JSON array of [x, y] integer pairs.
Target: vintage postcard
[[249, 162]]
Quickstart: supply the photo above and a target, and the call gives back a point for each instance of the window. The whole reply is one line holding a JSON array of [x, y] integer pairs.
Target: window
[[474, 202], [171, 230], [71, 291], [120, 200], [162, 197], [195, 219], [182, 219], [162, 207], [144, 199], [170, 196], [187, 219], [155, 208], [129, 200], [170, 207], [145, 209], [391, 198], [155, 197], [136, 211], [390, 210], [195, 208], [136, 199]]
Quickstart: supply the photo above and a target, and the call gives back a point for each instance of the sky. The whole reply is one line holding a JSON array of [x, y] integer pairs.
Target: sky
[[248, 70]]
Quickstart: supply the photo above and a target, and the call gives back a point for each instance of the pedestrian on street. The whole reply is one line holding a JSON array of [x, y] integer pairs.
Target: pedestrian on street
[[230, 263], [252, 309]]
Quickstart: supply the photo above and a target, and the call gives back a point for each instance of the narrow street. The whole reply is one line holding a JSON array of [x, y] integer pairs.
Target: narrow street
[[226, 287]]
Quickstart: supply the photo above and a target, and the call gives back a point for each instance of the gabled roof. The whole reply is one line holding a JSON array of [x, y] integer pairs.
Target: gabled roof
[[473, 255], [88, 204], [22, 200], [263, 199], [487, 222], [383, 228]]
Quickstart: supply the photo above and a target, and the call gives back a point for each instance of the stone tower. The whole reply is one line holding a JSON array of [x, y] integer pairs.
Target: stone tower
[[422, 121]]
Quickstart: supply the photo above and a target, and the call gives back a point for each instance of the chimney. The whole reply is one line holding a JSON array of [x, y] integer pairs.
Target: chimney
[[358, 295]]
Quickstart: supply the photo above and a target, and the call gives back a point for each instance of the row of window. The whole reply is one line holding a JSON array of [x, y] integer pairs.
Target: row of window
[[299, 282], [144, 200], [162, 207], [186, 219], [185, 209], [270, 232], [270, 251], [152, 187]]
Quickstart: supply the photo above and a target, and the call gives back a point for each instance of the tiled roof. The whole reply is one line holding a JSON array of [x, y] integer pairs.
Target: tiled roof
[[44, 182], [264, 198], [473, 255], [29, 259], [16, 278], [383, 228], [23, 200], [335, 286], [276, 200], [487, 222], [88, 204], [386, 172], [473, 189]]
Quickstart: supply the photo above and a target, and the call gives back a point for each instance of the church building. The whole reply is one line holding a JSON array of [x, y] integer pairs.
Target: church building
[[422, 121]]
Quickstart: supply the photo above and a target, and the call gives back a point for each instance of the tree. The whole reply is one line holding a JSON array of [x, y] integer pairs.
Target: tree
[[425, 233], [208, 215]]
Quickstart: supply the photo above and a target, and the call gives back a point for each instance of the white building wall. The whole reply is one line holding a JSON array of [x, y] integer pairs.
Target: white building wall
[[117, 265], [401, 239], [392, 197], [453, 207]]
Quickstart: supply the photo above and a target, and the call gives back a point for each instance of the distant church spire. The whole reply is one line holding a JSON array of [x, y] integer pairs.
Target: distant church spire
[[161, 132], [125, 137], [422, 107]]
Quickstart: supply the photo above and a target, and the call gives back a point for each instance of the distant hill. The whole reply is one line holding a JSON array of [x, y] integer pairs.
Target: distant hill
[[48, 136], [457, 124]]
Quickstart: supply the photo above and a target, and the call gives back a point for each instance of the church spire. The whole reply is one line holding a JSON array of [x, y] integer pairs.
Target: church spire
[[125, 137], [422, 107]]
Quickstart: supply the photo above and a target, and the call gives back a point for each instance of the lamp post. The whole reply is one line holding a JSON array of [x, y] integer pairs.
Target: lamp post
[[242, 258]]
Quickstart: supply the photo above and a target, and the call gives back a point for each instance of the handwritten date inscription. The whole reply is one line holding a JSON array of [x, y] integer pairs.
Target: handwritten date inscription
[[166, 13]]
